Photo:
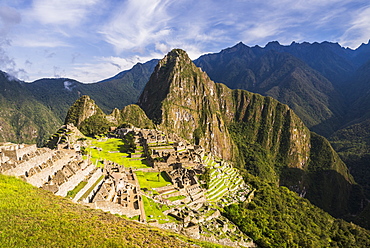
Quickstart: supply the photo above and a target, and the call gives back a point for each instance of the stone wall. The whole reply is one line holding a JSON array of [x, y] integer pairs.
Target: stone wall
[[114, 208], [97, 174], [93, 192], [45, 174], [25, 166], [74, 180], [16, 152]]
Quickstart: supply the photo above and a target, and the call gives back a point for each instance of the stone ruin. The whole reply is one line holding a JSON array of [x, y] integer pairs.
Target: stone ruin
[[119, 193], [116, 188], [55, 170]]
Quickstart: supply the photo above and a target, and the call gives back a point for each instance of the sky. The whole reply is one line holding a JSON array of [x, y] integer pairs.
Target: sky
[[91, 40]]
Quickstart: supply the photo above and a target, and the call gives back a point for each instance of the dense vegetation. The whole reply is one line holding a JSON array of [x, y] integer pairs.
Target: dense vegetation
[[22, 117], [33, 217], [271, 140], [95, 125], [278, 217]]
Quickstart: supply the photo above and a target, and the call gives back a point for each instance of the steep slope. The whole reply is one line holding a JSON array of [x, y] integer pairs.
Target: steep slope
[[353, 141], [176, 97], [32, 217], [272, 71], [91, 120], [262, 135], [22, 117]]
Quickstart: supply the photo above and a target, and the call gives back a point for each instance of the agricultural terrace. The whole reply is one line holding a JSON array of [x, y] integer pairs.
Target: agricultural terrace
[[114, 150]]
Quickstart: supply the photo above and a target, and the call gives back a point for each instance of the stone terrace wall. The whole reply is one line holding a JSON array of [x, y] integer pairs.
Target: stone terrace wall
[[16, 152], [74, 180], [114, 208], [23, 167], [97, 174]]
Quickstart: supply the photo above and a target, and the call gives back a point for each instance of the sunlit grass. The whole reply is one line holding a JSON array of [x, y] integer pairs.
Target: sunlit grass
[[151, 180], [32, 217], [154, 211], [113, 150]]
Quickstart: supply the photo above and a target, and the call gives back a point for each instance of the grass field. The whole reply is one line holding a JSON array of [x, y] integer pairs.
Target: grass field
[[113, 150], [175, 198], [154, 211], [150, 180], [32, 217]]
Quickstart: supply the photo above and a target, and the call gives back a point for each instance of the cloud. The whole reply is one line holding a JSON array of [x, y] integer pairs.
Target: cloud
[[68, 85], [9, 17], [104, 67], [156, 26], [56, 12], [74, 57], [9, 65], [39, 41], [358, 30], [28, 63], [59, 72], [50, 55], [95, 39], [136, 23]]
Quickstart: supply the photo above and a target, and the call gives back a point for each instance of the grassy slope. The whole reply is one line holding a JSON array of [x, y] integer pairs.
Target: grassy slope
[[33, 217]]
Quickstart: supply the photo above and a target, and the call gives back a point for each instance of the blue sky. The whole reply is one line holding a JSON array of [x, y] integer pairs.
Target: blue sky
[[90, 40]]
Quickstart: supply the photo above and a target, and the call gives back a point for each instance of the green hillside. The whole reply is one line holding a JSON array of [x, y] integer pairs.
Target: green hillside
[[277, 217], [31, 217], [22, 117]]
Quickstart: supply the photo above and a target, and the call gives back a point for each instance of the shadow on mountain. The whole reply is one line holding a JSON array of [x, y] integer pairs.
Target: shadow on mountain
[[341, 201]]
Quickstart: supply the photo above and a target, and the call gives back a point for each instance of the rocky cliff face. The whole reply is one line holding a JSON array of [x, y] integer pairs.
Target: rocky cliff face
[[261, 134], [89, 118]]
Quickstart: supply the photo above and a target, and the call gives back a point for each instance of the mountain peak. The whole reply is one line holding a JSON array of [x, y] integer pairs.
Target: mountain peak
[[273, 44], [169, 73], [174, 56], [81, 110]]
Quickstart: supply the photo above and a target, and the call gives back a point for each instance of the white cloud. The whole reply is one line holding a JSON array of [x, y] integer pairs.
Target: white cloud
[[137, 23], [359, 29], [104, 67], [95, 39], [39, 42], [71, 12]]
